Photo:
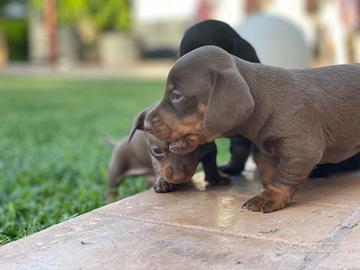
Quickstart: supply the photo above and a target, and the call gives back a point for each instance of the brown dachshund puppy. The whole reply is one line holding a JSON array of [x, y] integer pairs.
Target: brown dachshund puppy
[[143, 155], [296, 118], [213, 32]]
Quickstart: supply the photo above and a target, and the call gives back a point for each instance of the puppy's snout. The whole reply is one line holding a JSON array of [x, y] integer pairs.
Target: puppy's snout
[[169, 171], [179, 177], [176, 175], [181, 168]]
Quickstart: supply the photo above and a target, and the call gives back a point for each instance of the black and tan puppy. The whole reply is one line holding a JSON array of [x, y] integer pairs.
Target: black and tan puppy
[[296, 118], [217, 33], [143, 155]]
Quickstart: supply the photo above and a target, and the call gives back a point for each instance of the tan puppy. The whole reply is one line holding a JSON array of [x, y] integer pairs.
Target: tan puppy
[[296, 118]]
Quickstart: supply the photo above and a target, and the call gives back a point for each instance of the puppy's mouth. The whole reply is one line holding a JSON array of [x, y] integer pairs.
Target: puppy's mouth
[[186, 144]]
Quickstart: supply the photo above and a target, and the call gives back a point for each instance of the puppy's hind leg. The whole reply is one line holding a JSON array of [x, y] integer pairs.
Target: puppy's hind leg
[[115, 177], [117, 172]]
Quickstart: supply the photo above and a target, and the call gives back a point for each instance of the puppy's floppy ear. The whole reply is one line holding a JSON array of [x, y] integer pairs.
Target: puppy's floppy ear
[[230, 101], [137, 124]]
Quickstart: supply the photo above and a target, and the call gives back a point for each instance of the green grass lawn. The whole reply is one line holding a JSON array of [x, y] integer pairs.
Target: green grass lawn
[[53, 160]]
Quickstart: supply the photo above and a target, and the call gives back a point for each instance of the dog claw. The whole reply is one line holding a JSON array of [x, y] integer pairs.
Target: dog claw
[[253, 204], [161, 186], [266, 202]]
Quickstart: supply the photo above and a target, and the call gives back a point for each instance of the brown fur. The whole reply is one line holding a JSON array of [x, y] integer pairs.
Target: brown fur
[[133, 157], [265, 166], [176, 169], [128, 159], [296, 118]]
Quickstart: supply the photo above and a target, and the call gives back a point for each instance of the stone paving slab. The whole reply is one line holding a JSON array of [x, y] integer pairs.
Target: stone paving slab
[[220, 209], [198, 227], [130, 244], [346, 253], [339, 191]]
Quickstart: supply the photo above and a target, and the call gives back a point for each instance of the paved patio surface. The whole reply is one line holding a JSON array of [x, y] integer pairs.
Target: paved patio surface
[[198, 227]]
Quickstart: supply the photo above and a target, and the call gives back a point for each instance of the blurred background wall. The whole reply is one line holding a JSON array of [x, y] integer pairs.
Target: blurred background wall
[[123, 35]]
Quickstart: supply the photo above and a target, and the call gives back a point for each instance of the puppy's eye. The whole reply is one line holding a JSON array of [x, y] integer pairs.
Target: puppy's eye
[[175, 96], [157, 152]]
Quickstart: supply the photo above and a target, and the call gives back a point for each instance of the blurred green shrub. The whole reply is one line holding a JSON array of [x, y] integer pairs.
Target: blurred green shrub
[[111, 14], [4, 3], [16, 33], [105, 15]]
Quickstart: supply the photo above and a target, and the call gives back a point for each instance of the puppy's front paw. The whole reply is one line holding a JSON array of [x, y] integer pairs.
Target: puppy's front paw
[[161, 186], [219, 181], [231, 169], [268, 201]]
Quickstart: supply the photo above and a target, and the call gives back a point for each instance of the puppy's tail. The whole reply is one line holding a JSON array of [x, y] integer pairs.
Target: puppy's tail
[[108, 140]]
